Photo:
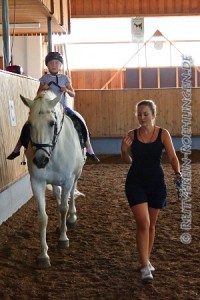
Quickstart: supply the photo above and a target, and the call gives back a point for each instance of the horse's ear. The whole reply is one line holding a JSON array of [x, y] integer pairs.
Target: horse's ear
[[55, 100], [26, 101]]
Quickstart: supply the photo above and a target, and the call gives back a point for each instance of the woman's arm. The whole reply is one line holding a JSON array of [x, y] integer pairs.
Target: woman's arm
[[126, 147], [173, 159]]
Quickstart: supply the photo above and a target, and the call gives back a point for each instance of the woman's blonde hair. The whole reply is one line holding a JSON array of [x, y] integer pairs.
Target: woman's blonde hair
[[150, 103]]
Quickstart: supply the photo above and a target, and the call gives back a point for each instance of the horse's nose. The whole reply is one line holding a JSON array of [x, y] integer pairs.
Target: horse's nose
[[41, 162]]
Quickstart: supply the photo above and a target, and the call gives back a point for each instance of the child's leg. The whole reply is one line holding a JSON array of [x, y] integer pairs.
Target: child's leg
[[23, 141], [89, 149], [18, 146], [16, 151], [89, 146]]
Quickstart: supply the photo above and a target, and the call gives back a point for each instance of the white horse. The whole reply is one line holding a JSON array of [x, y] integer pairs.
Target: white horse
[[54, 157]]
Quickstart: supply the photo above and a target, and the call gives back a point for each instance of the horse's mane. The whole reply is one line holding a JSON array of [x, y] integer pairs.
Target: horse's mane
[[41, 102], [49, 95]]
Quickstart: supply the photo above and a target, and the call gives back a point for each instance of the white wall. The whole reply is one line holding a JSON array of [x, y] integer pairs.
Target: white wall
[[14, 197], [34, 57], [26, 52]]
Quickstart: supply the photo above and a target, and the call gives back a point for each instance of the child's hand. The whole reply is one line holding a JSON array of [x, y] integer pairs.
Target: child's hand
[[64, 89], [44, 86]]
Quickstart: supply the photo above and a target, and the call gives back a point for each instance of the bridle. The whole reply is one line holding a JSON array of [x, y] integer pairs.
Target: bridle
[[56, 132], [54, 140]]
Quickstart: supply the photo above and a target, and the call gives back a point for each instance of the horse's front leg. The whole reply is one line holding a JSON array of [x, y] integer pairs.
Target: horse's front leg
[[57, 195], [63, 208], [72, 217], [39, 194]]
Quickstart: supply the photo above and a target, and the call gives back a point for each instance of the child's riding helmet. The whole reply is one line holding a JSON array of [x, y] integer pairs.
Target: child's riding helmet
[[53, 55]]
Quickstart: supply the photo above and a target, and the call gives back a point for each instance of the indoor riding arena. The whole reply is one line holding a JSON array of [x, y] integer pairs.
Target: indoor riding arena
[[102, 260]]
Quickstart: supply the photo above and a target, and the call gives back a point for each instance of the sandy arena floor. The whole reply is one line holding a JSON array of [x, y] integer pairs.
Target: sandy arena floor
[[102, 261]]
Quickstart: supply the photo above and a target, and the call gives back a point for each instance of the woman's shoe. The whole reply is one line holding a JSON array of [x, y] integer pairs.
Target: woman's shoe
[[146, 274], [13, 155], [151, 268]]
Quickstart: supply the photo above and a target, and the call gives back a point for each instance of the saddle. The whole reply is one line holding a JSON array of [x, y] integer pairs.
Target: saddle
[[79, 126]]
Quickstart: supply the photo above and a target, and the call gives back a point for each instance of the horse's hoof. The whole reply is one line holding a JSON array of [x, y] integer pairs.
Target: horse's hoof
[[63, 244], [43, 262], [71, 225]]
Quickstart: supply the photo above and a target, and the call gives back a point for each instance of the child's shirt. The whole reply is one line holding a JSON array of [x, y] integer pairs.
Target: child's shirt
[[59, 79]]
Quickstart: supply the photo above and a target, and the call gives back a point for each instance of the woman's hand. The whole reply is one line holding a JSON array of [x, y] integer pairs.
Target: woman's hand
[[125, 149], [178, 181], [126, 143]]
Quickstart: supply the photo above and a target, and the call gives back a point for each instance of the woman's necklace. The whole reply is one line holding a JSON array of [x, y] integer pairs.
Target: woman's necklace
[[149, 140]]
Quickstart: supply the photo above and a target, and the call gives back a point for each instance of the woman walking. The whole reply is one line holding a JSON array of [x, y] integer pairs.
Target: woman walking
[[145, 185]]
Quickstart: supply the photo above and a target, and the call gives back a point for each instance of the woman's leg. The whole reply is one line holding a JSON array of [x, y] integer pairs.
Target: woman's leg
[[153, 216], [141, 216]]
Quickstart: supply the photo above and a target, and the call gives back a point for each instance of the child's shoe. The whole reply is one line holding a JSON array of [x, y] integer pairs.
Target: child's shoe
[[93, 157], [13, 155]]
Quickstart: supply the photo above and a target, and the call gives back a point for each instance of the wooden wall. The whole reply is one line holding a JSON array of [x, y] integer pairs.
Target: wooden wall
[[119, 8], [11, 86], [96, 79], [110, 113], [144, 77]]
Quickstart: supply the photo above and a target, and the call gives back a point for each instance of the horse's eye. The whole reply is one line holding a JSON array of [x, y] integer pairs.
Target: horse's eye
[[52, 123]]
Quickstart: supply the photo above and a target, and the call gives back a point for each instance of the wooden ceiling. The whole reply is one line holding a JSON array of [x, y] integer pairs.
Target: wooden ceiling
[[38, 11], [126, 8]]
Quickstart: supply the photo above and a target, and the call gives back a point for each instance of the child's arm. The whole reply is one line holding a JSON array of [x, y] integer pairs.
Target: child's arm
[[69, 90], [42, 87]]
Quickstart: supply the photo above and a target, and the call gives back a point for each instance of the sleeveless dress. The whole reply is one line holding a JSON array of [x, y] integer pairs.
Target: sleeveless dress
[[145, 178]]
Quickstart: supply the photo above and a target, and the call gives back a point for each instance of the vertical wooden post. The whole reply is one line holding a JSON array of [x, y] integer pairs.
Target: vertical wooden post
[[49, 34], [6, 41], [158, 77], [140, 78], [177, 78], [195, 78]]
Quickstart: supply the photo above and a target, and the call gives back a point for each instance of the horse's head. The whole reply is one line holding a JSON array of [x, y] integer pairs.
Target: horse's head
[[45, 123]]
